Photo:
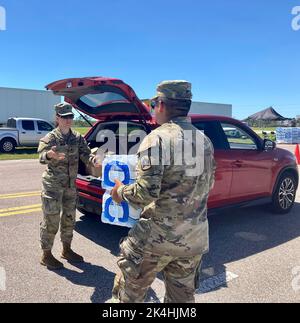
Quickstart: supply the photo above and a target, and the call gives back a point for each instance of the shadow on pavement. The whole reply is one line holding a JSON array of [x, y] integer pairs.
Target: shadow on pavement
[[105, 235], [91, 276], [242, 233], [234, 235], [97, 277]]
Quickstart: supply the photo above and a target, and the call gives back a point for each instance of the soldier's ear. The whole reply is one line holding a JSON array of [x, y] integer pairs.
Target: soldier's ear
[[161, 107]]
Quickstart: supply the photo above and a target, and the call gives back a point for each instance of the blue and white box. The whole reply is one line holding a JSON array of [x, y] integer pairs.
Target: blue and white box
[[288, 135], [123, 168], [122, 214]]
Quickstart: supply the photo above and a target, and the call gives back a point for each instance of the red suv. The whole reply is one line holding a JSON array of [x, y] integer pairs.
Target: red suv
[[250, 170]]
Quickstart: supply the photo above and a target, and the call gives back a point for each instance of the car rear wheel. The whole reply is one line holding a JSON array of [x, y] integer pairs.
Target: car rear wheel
[[7, 145], [285, 194]]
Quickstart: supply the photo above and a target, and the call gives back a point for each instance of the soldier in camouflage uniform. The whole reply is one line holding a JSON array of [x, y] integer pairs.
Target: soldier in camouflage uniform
[[172, 234], [61, 150]]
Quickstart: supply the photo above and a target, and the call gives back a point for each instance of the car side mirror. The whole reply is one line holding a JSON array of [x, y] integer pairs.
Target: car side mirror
[[269, 145]]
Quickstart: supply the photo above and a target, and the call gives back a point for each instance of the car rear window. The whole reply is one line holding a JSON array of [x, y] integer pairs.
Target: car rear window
[[95, 100], [12, 123]]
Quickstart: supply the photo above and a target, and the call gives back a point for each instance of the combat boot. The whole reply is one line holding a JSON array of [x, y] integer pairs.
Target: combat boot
[[50, 262], [70, 255]]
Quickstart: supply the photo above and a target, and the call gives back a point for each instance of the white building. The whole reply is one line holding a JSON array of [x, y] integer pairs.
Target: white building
[[211, 108], [27, 104], [24, 103], [217, 109]]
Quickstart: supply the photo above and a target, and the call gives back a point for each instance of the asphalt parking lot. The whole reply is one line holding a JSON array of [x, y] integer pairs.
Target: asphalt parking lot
[[254, 254]]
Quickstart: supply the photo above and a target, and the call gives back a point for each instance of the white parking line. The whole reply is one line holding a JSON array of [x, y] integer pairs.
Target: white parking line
[[2, 279]]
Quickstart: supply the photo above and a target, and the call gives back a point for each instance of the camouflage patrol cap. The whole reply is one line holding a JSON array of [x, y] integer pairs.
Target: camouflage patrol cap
[[175, 90], [64, 109]]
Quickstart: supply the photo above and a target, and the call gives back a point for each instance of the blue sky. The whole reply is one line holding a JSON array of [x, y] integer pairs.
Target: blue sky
[[233, 51]]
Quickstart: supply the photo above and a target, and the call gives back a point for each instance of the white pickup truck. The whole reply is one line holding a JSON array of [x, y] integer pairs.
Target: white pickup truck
[[23, 132]]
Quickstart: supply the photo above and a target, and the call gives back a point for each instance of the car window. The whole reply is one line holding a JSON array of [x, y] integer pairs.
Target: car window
[[119, 128], [95, 100], [214, 132], [44, 126], [28, 125], [238, 138], [121, 131], [12, 123]]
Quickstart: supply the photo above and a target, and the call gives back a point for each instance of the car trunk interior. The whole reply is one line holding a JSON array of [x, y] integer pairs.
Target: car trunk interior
[[121, 135]]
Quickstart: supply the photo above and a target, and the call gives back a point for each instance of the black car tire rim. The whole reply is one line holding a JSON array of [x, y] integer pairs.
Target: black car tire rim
[[8, 146], [286, 193]]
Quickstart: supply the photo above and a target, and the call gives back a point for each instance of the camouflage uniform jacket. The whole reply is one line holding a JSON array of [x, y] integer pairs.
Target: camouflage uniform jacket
[[63, 173], [174, 218]]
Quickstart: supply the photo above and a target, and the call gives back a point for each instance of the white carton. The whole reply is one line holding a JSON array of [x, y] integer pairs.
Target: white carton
[[121, 167], [119, 214]]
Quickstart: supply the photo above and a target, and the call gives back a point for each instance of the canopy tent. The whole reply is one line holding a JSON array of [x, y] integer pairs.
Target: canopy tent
[[267, 115]]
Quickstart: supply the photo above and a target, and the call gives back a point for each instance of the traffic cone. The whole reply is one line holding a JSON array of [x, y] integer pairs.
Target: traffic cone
[[297, 154]]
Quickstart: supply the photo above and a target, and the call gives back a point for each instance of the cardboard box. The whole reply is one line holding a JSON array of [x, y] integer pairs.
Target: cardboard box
[[93, 171]]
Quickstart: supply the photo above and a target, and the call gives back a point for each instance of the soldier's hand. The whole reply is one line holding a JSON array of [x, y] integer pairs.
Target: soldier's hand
[[96, 163], [114, 192], [53, 154]]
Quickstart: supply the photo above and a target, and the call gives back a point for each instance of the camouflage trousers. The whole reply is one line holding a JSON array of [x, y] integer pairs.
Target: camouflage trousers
[[138, 271], [59, 210]]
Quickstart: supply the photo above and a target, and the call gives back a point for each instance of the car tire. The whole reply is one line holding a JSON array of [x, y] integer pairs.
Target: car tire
[[7, 145], [284, 195]]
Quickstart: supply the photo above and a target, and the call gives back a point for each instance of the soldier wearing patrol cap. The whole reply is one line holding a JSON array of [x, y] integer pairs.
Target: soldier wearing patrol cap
[[60, 150], [172, 233]]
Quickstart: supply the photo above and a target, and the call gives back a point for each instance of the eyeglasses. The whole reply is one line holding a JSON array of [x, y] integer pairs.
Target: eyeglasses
[[154, 103], [69, 117]]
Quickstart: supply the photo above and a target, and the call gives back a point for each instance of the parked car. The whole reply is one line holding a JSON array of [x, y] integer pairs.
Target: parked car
[[23, 132], [232, 132], [250, 170]]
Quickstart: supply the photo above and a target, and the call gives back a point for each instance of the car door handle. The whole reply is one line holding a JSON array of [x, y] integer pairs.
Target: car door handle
[[39, 133], [237, 163], [24, 133]]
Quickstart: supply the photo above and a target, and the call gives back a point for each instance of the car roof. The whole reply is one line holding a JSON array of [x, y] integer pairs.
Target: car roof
[[194, 117], [209, 117], [28, 119]]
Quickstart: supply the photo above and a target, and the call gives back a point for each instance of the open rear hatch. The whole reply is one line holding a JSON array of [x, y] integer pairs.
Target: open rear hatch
[[108, 100], [101, 98]]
